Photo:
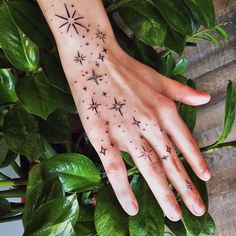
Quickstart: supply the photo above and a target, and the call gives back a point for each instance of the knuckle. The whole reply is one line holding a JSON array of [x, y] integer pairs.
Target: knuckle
[[114, 170], [168, 107]]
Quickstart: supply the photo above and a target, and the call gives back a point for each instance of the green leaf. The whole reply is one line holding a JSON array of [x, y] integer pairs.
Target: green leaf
[[19, 49], [194, 224], [86, 213], [22, 134], [146, 22], [176, 227], [212, 38], [56, 129], [53, 70], [110, 218], [64, 228], [53, 212], [149, 211], [222, 32], [7, 87], [128, 159], [30, 20], [230, 107], [210, 227], [203, 10], [176, 14], [5, 207], [4, 148], [85, 229], [180, 67], [41, 194], [75, 171], [189, 113], [168, 234], [37, 95]]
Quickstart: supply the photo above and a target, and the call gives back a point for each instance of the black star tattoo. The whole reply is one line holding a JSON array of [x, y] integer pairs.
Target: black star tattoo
[[104, 94], [85, 88], [145, 153], [117, 106], [168, 149], [71, 20], [136, 122], [95, 77], [79, 58], [164, 157], [107, 123], [103, 150], [101, 57], [94, 106], [101, 35], [189, 185]]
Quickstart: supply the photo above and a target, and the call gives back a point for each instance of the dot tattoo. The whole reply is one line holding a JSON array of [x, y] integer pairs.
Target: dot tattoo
[[104, 50], [94, 107], [168, 149], [101, 35], [189, 185], [79, 58], [103, 150], [117, 106], [94, 77], [136, 122], [70, 20]]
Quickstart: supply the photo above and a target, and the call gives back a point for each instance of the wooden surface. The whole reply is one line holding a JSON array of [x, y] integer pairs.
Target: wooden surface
[[211, 67]]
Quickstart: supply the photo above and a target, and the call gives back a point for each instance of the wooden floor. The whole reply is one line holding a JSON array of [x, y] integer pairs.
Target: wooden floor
[[211, 67]]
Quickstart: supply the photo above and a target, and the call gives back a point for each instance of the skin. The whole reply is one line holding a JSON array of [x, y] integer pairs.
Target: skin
[[126, 105]]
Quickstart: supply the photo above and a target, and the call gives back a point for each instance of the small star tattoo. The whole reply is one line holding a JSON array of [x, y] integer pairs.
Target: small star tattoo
[[104, 94], [168, 149], [101, 35], [101, 57], [79, 58], [94, 77], [145, 153], [107, 123], [117, 106], [103, 150], [136, 122], [189, 185], [164, 157], [94, 107], [85, 88]]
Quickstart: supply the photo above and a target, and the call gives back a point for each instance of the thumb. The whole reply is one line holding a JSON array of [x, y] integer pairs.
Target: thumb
[[183, 93]]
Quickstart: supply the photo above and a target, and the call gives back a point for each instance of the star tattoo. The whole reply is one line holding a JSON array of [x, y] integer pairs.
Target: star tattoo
[[71, 20], [104, 94], [85, 88], [104, 50], [136, 122], [101, 57], [103, 150], [94, 77], [145, 153], [117, 106], [94, 107], [168, 149], [101, 35], [189, 185], [79, 58], [164, 157]]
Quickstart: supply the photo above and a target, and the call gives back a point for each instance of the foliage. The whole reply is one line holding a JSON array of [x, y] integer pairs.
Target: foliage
[[61, 176]]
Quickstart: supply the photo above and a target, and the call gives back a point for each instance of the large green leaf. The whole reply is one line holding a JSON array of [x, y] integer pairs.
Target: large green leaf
[[209, 227], [85, 229], [30, 20], [203, 10], [7, 87], [53, 212], [189, 113], [194, 225], [180, 67], [110, 218], [4, 148], [150, 218], [86, 213], [145, 21], [22, 134], [230, 107], [128, 159], [37, 95], [39, 195], [176, 14], [62, 229], [176, 227], [75, 171], [19, 49]]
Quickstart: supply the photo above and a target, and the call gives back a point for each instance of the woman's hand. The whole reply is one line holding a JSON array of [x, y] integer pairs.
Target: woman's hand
[[125, 105]]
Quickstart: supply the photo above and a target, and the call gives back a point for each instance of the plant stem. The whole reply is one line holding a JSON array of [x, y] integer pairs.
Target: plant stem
[[17, 169], [4, 177], [132, 171], [213, 147], [13, 182], [12, 193]]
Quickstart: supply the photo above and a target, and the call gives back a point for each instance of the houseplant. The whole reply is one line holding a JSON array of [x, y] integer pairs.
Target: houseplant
[[62, 183]]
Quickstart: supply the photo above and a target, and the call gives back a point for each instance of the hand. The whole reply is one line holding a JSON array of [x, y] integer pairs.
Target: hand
[[125, 105]]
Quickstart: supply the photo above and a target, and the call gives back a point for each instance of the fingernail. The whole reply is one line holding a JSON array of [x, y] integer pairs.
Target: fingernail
[[207, 175], [175, 214], [131, 208], [199, 208]]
